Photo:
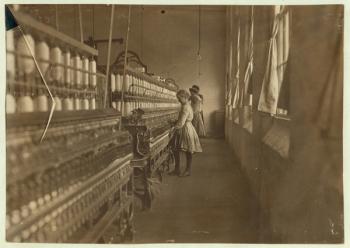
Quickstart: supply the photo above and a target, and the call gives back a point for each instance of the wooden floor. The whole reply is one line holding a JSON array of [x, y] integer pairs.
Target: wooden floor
[[214, 205]]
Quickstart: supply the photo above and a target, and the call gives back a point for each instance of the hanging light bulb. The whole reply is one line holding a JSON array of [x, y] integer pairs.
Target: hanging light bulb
[[199, 57]]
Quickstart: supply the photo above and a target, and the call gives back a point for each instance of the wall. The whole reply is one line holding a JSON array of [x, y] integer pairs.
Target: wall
[[167, 43], [170, 48], [300, 196]]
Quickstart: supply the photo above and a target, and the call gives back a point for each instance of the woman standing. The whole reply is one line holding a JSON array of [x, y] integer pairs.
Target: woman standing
[[185, 136], [196, 103]]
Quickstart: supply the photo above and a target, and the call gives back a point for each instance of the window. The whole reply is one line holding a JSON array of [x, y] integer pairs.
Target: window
[[282, 62], [274, 97]]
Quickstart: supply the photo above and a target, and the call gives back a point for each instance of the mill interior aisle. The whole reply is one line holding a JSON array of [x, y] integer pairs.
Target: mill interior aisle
[[252, 93], [213, 205]]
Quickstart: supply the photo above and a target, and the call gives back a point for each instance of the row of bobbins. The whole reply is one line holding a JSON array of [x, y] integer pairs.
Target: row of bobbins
[[131, 104], [73, 77], [24, 197], [137, 86], [153, 95], [53, 225]]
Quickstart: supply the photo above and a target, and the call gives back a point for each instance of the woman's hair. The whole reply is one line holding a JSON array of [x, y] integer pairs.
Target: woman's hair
[[183, 93]]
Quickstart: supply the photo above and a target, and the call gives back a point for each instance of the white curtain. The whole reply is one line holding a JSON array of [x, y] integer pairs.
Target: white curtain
[[236, 95], [245, 96], [276, 62], [229, 79]]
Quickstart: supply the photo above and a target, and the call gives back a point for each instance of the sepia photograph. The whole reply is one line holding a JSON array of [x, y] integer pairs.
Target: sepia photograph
[[173, 124]]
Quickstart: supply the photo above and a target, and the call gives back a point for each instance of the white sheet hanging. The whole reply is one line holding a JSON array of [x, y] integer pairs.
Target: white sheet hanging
[[270, 86], [245, 99], [235, 82], [229, 85]]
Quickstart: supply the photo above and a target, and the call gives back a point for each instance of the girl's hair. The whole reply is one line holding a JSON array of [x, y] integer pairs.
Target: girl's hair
[[183, 93]]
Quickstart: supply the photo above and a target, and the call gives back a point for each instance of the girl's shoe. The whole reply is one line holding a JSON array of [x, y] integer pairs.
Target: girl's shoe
[[186, 174]]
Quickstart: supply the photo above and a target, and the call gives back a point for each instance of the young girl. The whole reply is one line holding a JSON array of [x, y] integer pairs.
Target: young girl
[[185, 136], [196, 104]]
